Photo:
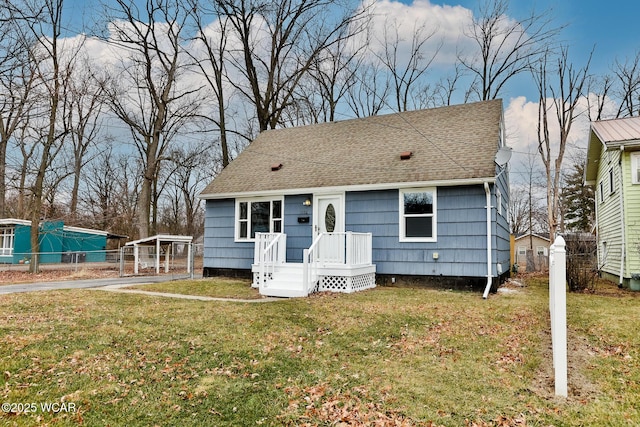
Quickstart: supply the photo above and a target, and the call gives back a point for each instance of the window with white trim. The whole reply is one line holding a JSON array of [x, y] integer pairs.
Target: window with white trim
[[7, 235], [612, 182], [258, 216], [499, 201], [635, 168], [601, 191], [418, 215]]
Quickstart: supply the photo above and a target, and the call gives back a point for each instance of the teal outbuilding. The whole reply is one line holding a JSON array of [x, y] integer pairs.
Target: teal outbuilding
[[58, 242]]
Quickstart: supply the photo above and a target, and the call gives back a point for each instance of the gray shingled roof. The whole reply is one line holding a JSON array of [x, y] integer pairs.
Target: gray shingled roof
[[448, 143]]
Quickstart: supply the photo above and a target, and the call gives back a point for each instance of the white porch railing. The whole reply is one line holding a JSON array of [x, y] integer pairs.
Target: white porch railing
[[347, 249], [270, 250]]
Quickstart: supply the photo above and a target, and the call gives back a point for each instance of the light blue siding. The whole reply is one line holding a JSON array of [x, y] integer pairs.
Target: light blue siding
[[461, 232], [220, 249], [298, 234], [500, 228]]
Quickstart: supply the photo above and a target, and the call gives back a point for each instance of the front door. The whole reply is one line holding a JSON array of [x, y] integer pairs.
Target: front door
[[329, 218]]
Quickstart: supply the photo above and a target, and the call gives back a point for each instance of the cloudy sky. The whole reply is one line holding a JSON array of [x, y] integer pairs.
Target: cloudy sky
[[607, 28]]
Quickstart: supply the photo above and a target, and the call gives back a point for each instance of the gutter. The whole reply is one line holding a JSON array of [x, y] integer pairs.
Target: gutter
[[342, 188], [487, 192], [622, 230]]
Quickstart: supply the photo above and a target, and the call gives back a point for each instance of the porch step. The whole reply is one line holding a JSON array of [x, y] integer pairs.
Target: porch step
[[287, 282]]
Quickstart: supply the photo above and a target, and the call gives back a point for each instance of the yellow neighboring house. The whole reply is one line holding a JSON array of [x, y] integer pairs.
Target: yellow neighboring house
[[540, 247], [613, 167]]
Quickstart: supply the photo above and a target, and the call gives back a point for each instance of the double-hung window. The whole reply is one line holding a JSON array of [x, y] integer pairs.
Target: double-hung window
[[635, 168], [612, 182], [6, 240], [418, 215], [258, 216]]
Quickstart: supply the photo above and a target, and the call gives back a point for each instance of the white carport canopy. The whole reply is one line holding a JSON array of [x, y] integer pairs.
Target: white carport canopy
[[157, 241]]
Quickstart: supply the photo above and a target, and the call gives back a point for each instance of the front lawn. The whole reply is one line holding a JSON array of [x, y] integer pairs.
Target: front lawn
[[208, 287], [396, 356]]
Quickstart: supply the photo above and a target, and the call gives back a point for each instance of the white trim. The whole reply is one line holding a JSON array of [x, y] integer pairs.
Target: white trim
[[249, 200], [84, 230], [346, 188], [8, 235], [635, 168], [401, 216], [161, 238], [13, 221]]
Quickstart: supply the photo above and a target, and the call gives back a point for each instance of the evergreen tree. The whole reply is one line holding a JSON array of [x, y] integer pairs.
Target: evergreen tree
[[579, 200]]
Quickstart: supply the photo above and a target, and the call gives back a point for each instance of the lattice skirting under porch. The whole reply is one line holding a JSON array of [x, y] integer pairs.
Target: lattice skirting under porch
[[256, 279], [347, 284]]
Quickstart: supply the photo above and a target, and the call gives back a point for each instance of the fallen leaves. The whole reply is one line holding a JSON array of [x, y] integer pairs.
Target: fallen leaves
[[352, 407]]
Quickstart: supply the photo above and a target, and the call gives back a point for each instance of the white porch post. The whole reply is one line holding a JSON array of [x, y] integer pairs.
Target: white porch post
[[136, 258], [158, 256], [189, 259], [166, 258]]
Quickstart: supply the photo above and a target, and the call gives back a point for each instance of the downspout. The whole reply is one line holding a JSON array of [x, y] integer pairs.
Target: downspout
[[622, 230], [487, 192]]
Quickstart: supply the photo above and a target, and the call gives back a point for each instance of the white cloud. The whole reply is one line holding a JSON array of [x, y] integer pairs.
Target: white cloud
[[448, 22], [521, 121]]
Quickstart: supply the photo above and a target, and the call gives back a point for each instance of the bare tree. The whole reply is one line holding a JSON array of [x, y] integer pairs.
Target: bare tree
[[599, 89], [17, 76], [368, 96], [504, 47], [628, 79], [280, 41], [50, 64], [560, 98], [190, 171], [110, 191], [148, 97], [212, 63], [82, 108], [406, 67], [333, 73]]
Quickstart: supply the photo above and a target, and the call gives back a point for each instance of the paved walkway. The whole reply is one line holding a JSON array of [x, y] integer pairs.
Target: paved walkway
[[82, 284], [118, 288], [116, 284]]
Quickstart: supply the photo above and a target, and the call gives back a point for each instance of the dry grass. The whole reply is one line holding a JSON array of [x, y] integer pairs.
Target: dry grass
[[388, 356]]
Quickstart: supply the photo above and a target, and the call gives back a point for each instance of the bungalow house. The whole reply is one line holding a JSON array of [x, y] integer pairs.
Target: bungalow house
[[613, 167], [417, 196], [58, 242]]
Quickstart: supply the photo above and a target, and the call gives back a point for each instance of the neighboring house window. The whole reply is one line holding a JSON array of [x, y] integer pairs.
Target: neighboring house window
[[612, 186], [635, 168], [522, 250], [258, 216], [601, 191], [418, 215], [6, 240], [541, 250]]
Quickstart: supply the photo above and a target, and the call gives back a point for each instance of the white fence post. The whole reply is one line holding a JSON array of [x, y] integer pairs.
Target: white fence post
[[558, 313]]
